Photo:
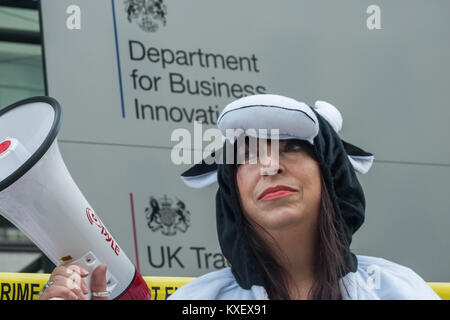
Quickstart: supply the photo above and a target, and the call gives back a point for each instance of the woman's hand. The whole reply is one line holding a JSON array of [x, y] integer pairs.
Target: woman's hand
[[69, 284]]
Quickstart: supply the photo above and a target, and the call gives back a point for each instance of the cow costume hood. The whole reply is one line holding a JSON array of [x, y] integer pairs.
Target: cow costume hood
[[338, 160]]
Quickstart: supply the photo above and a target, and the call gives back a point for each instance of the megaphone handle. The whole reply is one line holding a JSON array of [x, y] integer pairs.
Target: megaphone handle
[[90, 262]]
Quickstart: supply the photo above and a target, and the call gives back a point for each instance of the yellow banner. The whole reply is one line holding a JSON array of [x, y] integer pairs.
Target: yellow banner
[[26, 286]]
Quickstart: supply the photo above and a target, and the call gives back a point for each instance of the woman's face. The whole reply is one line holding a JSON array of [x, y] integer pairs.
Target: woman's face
[[284, 192]]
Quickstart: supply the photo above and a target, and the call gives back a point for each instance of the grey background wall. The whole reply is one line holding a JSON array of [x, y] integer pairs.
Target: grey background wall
[[391, 86], [21, 76], [21, 64]]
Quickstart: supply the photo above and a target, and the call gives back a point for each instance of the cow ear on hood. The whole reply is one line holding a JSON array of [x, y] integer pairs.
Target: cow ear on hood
[[201, 174], [361, 160]]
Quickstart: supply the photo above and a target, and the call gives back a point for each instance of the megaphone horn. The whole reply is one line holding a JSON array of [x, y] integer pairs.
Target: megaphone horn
[[39, 196]]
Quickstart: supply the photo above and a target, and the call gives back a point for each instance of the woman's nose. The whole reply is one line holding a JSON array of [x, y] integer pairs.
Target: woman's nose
[[270, 171], [270, 166]]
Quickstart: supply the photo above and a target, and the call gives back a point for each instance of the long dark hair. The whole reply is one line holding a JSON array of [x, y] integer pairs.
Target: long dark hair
[[330, 262]]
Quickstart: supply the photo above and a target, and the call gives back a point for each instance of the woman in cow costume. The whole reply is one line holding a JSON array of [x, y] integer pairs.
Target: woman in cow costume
[[286, 223]]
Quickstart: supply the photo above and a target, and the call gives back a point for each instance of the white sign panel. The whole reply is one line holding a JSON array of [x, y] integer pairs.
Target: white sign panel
[[129, 72]]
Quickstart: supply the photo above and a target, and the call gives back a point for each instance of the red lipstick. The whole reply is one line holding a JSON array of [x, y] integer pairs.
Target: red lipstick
[[276, 192]]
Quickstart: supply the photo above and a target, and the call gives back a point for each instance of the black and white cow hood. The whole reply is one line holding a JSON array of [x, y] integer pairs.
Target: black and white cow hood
[[338, 161]]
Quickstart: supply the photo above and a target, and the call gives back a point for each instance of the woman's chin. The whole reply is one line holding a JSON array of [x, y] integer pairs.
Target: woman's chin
[[279, 218]]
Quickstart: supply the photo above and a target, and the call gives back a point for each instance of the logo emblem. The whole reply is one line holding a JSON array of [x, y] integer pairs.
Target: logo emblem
[[149, 14], [94, 220], [162, 215]]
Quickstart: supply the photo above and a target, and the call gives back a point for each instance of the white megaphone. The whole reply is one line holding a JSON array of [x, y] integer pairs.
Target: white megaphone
[[39, 196]]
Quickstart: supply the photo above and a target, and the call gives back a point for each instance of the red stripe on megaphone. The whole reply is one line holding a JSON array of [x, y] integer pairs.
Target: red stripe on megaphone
[[138, 289]]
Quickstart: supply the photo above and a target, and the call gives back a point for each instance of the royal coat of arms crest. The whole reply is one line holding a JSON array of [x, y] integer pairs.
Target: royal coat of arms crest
[[162, 215], [149, 14]]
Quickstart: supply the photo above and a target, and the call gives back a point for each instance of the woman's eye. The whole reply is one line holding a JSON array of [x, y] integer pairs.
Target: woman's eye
[[293, 146], [249, 154]]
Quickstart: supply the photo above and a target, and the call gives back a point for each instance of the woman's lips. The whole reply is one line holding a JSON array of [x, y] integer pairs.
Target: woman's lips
[[276, 192]]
